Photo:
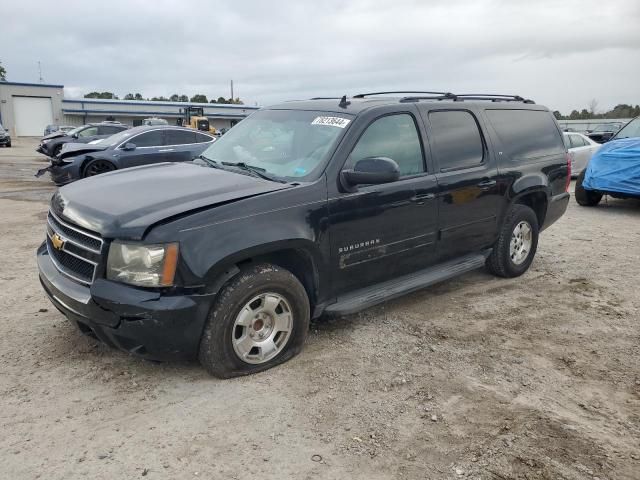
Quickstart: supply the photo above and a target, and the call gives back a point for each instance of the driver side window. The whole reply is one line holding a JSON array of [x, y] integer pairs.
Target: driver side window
[[395, 137]]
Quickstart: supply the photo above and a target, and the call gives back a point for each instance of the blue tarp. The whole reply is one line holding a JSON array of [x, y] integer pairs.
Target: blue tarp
[[615, 167]]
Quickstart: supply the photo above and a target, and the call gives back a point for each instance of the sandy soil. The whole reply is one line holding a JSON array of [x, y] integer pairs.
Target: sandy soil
[[479, 377]]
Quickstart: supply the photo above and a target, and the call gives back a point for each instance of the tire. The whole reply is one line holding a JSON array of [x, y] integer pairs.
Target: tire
[[96, 167], [9, 145], [236, 314], [511, 255], [586, 198]]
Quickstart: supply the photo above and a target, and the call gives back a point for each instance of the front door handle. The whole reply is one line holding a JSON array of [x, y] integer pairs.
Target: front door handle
[[420, 199], [487, 184]]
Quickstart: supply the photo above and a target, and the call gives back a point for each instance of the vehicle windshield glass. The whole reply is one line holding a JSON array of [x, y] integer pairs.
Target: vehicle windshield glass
[[290, 144], [74, 131], [630, 130], [605, 128]]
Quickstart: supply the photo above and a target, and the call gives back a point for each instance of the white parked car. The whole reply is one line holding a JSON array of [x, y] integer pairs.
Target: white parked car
[[581, 148]]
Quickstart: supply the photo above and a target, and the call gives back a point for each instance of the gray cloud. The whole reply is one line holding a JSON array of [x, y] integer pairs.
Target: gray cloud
[[562, 54]]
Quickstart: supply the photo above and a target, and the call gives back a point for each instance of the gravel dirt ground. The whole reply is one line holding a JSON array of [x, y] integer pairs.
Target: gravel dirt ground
[[532, 378]]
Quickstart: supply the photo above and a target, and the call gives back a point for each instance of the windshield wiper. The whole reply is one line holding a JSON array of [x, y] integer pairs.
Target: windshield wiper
[[256, 171], [211, 162]]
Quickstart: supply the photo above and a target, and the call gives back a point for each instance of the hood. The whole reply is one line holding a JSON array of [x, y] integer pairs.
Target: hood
[[54, 135], [72, 149], [125, 203]]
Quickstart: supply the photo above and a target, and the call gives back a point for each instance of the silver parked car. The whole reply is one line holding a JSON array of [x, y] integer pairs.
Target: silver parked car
[[581, 148]]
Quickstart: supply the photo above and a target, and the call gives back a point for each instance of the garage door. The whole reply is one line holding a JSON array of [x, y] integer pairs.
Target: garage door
[[32, 114]]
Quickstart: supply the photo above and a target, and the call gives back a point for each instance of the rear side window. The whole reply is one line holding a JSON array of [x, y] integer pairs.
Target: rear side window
[[456, 140], [108, 130], [526, 134], [201, 138], [179, 137]]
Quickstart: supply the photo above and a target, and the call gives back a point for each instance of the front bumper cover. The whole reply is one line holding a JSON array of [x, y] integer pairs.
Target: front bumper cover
[[142, 322]]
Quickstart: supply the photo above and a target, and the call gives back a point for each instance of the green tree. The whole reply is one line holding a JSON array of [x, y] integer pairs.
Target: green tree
[[137, 96], [159, 99], [199, 98], [221, 100], [129, 96], [175, 97], [3, 73], [104, 95], [183, 98]]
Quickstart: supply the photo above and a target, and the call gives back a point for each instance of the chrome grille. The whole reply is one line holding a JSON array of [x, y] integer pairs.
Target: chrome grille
[[79, 255]]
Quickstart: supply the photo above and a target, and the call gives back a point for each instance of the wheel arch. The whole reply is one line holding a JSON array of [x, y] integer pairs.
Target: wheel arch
[[537, 199], [299, 256]]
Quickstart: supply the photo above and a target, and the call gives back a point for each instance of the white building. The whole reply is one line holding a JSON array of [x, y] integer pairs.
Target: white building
[[27, 108]]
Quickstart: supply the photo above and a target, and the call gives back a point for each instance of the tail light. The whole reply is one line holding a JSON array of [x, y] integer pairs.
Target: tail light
[[568, 184]]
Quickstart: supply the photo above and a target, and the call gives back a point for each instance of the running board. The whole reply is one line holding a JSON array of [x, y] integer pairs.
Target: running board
[[369, 296]]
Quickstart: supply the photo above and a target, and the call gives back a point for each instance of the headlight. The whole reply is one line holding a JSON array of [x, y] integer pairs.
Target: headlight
[[142, 265]]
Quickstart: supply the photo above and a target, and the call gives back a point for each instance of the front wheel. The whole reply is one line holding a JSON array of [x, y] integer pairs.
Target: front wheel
[[586, 198], [260, 319], [96, 167], [517, 244]]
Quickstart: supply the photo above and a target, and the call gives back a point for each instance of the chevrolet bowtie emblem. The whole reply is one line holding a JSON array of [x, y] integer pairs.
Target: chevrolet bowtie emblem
[[57, 241]]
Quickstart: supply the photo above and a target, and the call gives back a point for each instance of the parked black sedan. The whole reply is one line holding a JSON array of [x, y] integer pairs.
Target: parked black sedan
[[51, 144], [5, 138], [603, 133], [131, 148]]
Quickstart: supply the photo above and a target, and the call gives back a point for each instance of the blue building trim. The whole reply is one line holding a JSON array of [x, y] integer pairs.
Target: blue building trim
[[159, 104], [22, 84], [128, 112]]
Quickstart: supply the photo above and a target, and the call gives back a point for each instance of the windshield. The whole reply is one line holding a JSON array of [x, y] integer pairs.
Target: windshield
[[610, 127], [290, 144], [75, 130], [630, 130]]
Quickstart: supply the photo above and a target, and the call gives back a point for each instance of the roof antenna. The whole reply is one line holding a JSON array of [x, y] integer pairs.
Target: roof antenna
[[343, 102]]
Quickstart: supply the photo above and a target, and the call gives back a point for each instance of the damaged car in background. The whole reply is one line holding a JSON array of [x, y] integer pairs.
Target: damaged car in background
[[131, 148], [51, 145]]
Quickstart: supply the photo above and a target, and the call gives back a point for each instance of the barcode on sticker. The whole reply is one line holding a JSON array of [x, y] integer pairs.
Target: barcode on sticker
[[331, 121]]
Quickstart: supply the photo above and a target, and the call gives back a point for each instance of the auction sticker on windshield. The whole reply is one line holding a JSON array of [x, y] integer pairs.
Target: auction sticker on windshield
[[331, 121]]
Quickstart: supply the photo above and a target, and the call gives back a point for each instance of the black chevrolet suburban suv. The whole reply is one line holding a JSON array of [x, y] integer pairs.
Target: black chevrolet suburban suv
[[309, 207]]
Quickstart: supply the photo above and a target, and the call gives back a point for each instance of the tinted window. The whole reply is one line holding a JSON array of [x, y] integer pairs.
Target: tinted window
[[395, 137], [179, 137], [149, 139], [88, 132], [456, 139], [200, 138], [109, 130], [526, 134]]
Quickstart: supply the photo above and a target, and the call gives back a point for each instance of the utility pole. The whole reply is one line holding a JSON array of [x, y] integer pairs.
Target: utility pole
[[40, 72], [232, 97]]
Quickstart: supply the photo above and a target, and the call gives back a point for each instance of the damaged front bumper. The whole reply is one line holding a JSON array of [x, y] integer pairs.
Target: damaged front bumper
[[139, 321], [61, 173]]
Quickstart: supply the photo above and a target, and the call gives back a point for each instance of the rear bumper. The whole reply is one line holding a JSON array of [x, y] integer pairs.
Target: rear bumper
[[145, 323], [556, 208]]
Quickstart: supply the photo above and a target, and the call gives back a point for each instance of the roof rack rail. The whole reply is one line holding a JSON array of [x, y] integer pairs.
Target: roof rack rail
[[494, 97], [325, 98], [470, 96], [362, 95]]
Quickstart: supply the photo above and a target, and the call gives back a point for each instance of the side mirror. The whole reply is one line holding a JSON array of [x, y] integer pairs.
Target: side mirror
[[371, 171], [129, 146], [75, 135]]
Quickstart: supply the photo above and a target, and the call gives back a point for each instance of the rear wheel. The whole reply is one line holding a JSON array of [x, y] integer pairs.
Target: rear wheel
[[260, 319], [586, 198], [96, 167], [517, 244]]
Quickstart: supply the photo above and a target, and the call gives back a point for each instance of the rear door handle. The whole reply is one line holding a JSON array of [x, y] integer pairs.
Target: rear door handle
[[487, 184]]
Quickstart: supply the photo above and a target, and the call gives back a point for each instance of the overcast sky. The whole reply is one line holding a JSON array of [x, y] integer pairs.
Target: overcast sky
[[561, 53]]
